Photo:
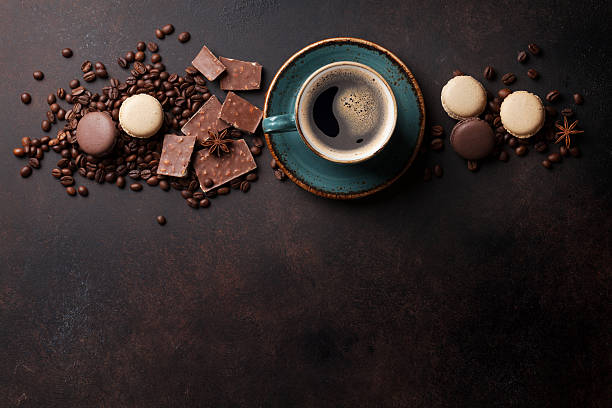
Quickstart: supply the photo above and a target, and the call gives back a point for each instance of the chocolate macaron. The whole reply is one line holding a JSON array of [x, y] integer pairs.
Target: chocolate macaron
[[472, 139], [96, 133], [141, 116]]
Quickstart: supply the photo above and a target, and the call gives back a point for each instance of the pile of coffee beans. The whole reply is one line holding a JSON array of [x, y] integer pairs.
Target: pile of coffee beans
[[133, 162]]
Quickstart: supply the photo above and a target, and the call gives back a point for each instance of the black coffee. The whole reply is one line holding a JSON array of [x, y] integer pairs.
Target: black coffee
[[323, 114]]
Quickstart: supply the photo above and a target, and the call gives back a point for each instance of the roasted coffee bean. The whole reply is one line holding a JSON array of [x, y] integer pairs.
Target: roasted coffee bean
[[89, 76], [164, 185], [25, 171], [38, 75], [438, 171], [57, 173], [574, 151], [61, 93], [457, 72], [82, 172], [122, 62], [130, 56], [578, 99], [39, 153], [62, 163], [563, 151], [26, 98], [159, 34], [472, 165], [554, 157], [278, 173], [19, 152], [497, 123], [71, 191], [186, 194], [135, 186], [120, 182], [223, 190], [74, 84], [139, 56], [67, 181], [99, 176], [155, 58], [79, 90], [256, 151], [512, 142], [66, 53], [61, 114], [532, 73], [54, 107], [140, 68], [91, 175], [521, 150], [251, 177], [184, 37], [211, 194], [534, 49], [167, 29], [153, 47], [193, 203], [145, 174], [45, 125], [34, 163], [541, 147], [503, 156], [134, 174], [551, 111], [83, 191], [437, 131], [489, 73], [110, 177], [66, 171], [568, 112], [101, 73], [86, 66], [521, 57], [509, 78], [547, 164], [161, 220], [141, 46], [553, 96], [205, 203], [437, 144], [153, 181], [427, 174], [51, 117]]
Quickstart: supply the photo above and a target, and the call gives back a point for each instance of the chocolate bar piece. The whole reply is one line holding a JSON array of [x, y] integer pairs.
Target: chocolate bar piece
[[205, 119], [241, 75], [239, 113], [176, 154], [224, 168], [208, 64]]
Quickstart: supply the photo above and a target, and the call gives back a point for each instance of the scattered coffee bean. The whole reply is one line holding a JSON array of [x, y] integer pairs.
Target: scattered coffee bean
[[578, 99], [563, 151], [57, 173], [245, 186], [61, 114], [74, 84], [120, 182], [503, 93], [532, 73], [489, 73], [66, 53], [25, 171], [509, 78], [521, 150], [534, 49], [427, 174], [521, 57], [251, 177], [541, 147], [256, 151], [135, 186], [101, 73], [19, 152], [45, 125], [437, 131], [139, 56], [161, 220], [192, 202], [130, 56], [38, 75], [512, 142], [26, 98], [159, 34], [438, 171], [164, 185], [567, 112], [186, 194], [66, 172], [553, 96], [437, 144], [153, 181], [122, 62], [86, 66], [155, 58], [503, 156], [184, 37], [205, 203], [153, 47], [223, 190], [34, 163], [71, 191], [257, 141], [51, 99], [67, 181], [61, 93], [83, 191], [141, 46], [574, 151], [280, 176], [167, 29], [554, 157], [547, 164], [457, 72], [472, 165]]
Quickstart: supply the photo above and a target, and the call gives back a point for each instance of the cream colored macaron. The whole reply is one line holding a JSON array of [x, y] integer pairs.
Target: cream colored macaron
[[522, 114], [141, 116], [463, 97]]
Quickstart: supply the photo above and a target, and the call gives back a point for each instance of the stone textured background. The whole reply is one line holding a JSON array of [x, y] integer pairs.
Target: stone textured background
[[474, 290]]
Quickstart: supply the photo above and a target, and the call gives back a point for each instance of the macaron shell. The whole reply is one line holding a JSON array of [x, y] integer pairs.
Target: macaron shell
[[96, 133], [141, 116], [472, 139], [463, 97], [522, 114]]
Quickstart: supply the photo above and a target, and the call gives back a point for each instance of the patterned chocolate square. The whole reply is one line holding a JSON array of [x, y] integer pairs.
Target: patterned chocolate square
[[176, 154], [224, 168], [208, 64], [240, 113], [240, 75], [205, 119]]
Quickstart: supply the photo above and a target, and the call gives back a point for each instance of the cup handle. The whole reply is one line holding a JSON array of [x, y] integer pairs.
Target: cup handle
[[280, 123]]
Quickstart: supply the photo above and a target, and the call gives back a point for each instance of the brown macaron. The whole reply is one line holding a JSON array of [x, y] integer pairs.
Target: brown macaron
[[472, 139], [96, 133]]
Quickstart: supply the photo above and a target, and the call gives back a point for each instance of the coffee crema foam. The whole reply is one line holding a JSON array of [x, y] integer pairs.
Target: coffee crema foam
[[361, 106]]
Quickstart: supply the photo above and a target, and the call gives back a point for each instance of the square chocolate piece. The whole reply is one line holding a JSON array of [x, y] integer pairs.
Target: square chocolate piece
[[208, 64], [225, 168], [240, 75], [176, 154], [240, 113], [205, 119]]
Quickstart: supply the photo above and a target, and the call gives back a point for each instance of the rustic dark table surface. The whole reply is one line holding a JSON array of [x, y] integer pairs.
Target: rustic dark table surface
[[474, 290]]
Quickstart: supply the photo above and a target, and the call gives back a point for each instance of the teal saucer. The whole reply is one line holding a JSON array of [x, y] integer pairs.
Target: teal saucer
[[335, 180]]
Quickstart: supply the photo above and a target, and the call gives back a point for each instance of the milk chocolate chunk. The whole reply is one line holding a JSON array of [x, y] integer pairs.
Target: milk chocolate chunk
[[239, 113], [204, 120], [176, 154], [241, 75], [224, 168], [208, 64]]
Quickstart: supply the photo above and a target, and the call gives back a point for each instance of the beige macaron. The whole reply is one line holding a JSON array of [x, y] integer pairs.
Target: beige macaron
[[522, 114], [463, 97], [141, 116]]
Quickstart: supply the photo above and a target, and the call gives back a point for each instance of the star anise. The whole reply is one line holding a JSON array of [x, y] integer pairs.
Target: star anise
[[217, 143], [566, 131]]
